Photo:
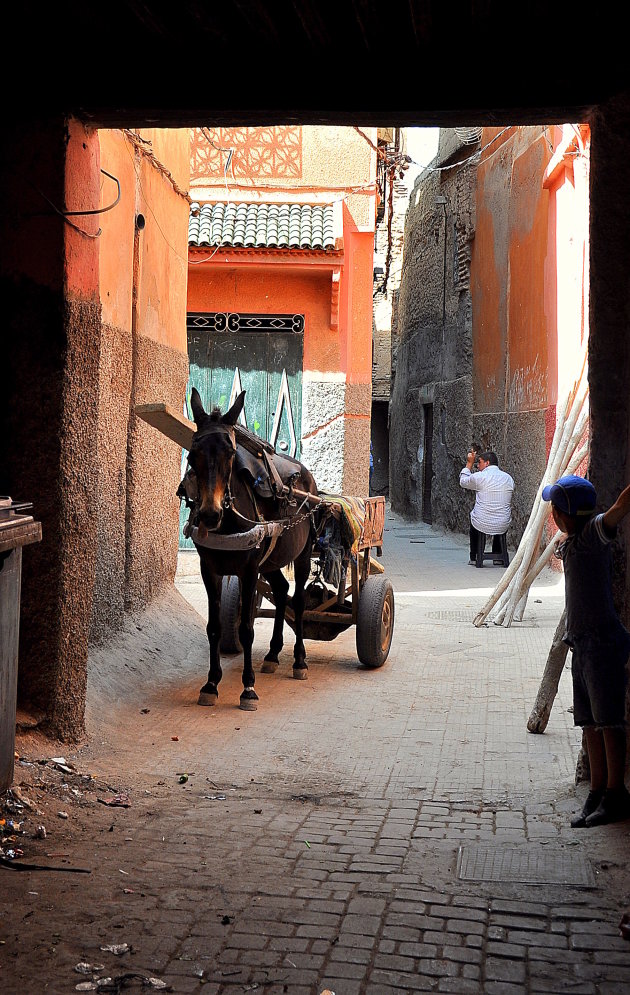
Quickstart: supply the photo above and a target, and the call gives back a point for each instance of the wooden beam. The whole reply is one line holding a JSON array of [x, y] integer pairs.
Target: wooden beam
[[171, 424]]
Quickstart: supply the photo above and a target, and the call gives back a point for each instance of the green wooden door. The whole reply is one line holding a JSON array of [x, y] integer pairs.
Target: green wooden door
[[265, 364]]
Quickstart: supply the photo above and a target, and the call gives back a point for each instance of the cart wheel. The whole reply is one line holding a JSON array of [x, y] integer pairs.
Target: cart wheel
[[375, 621], [230, 615]]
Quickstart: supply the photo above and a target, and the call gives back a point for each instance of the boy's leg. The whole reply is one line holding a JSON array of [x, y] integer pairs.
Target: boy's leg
[[596, 749], [602, 676], [615, 803], [599, 774], [615, 746]]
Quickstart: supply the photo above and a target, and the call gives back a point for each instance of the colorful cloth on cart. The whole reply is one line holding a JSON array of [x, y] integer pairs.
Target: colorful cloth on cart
[[351, 519]]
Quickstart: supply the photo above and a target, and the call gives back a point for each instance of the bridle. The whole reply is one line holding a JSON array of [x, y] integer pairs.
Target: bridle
[[228, 500], [259, 529]]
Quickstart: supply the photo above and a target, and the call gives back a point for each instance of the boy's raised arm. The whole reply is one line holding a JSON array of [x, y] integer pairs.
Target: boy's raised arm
[[618, 510]]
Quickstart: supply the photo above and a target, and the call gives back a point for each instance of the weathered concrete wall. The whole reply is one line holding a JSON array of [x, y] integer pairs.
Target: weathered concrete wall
[[49, 403], [434, 345], [143, 289], [69, 368]]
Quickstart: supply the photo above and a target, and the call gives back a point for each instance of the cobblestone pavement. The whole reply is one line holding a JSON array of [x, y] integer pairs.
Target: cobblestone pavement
[[366, 832]]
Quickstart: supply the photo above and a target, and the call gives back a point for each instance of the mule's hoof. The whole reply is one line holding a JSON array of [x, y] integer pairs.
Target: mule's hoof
[[269, 666], [207, 699], [300, 673], [249, 700]]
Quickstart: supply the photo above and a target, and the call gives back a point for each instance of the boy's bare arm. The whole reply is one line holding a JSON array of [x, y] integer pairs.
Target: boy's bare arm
[[618, 510]]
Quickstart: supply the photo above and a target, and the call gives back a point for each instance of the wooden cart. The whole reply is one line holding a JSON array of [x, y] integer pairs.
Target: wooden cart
[[364, 597]]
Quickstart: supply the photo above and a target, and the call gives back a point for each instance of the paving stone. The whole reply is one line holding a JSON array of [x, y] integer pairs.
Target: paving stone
[[538, 938], [517, 908], [460, 986], [471, 971], [501, 988], [596, 942], [438, 967], [465, 927], [395, 963], [426, 950], [464, 955], [579, 988], [519, 922], [355, 955], [498, 969], [469, 915], [387, 982]]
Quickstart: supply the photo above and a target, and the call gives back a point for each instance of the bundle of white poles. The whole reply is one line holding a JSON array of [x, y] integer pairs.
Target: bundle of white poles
[[568, 449]]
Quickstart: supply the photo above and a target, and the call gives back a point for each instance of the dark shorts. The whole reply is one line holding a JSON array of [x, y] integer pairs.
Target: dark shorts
[[599, 679]]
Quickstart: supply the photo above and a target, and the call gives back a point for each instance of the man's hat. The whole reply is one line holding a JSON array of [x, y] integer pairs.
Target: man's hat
[[572, 495]]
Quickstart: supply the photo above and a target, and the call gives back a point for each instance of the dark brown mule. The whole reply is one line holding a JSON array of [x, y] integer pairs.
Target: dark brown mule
[[227, 512]]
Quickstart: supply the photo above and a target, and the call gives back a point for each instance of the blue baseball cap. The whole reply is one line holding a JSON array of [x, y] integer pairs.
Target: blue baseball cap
[[572, 495]]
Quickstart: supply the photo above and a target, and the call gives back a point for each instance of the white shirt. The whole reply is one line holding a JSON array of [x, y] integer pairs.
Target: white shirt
[[492, 511]]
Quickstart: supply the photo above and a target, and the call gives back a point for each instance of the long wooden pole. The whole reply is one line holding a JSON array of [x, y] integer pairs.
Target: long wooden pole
[[510, 595]]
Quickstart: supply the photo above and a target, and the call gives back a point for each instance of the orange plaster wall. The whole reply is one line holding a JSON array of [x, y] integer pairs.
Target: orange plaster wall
[[163, 248], [164, 240], [511, 324], [278, 289], [81, 194], [116, 257], [488, 283], [528, 330], [359, 250]]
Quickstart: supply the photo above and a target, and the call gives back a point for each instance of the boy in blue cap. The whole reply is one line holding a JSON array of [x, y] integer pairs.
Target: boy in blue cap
[[599, 641]]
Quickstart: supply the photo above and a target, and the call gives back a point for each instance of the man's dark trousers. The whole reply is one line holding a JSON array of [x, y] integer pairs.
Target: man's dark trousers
[[474, 542]]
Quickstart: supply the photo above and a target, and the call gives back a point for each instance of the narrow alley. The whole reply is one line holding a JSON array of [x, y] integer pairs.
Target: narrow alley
[[365, 831]]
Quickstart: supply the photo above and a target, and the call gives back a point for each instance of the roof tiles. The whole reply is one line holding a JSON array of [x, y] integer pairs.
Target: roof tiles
[[262, 226]]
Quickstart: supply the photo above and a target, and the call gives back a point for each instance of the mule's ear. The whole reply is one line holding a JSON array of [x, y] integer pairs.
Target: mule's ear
[[197, 407], [231, 417]]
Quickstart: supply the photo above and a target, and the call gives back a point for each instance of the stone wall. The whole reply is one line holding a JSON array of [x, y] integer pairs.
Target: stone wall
[[434, 346]]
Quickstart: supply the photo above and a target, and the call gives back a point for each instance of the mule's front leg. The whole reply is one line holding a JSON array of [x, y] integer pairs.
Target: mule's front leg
[[249, 698], [302, 567], [280, 587], [210, 691]]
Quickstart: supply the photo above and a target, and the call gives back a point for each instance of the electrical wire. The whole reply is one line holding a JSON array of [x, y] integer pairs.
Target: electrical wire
[[66, 215]]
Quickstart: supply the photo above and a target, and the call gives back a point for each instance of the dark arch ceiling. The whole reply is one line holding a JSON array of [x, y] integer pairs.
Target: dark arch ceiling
[[131, 62]]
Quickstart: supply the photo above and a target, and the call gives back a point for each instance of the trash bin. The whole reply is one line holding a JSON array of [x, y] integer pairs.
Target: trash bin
[[17, 529]]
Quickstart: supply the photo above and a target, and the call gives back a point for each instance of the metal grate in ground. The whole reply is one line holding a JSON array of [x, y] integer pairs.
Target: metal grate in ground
[[524, 866]]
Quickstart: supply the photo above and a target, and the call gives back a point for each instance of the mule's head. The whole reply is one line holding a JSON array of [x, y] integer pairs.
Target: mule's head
[[211, 457]]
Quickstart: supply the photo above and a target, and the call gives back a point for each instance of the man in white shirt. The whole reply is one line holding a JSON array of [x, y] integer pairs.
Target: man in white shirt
[[492, 512]]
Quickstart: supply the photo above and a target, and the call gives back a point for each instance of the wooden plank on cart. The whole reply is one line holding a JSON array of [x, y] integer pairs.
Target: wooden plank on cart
[[167, 421], [373, 523]]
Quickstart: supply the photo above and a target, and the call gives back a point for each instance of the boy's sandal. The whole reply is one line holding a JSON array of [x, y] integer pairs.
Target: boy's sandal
[[590, 805], [614, 807]]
